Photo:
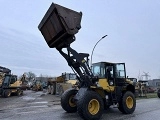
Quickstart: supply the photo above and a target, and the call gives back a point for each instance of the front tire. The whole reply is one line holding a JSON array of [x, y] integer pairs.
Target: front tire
[[7, 93], [49, 89], [67, 102], [158, 93], [90, 106], [127, 104], [60, 90], [18, 93], [53, 89]]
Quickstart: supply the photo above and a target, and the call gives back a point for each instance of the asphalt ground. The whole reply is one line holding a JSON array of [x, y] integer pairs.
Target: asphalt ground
[[42, 106]]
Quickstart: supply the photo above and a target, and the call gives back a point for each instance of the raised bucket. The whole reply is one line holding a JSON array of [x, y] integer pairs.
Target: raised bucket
[[59, 25]]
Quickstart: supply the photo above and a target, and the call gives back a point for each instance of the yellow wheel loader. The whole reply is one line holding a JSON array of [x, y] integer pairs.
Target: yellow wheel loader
[[37, 86], [101, 85], [10, 85], [61, 83]]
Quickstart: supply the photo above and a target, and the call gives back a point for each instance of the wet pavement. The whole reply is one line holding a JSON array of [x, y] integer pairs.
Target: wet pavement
[[42, 106]]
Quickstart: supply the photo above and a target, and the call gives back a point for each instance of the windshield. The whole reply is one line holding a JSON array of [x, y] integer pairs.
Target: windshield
[[71, 77], [6, 79], [98, 70]]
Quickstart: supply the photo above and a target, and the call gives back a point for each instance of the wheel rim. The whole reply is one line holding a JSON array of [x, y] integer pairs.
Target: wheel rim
[[129, 102], [9, 94], [71, 103], [93, 106]]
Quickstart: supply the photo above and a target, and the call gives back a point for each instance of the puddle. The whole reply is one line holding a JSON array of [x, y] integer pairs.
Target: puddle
[[30, 107], [2, 111], [42, 102], [28, 98], [42, 106], [39, 98]]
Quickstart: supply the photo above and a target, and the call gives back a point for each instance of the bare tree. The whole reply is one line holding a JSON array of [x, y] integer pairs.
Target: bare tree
[[30, 76], [41, 77]]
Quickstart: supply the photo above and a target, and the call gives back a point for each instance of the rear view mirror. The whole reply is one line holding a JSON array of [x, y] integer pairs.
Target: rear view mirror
[[59, 25]]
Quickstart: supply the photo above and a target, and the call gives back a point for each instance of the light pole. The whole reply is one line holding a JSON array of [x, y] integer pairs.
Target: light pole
[[94, 48]]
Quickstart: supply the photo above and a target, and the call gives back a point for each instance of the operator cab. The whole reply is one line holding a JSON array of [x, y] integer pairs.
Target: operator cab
[[69, 76], [8, 80], [115, 73]]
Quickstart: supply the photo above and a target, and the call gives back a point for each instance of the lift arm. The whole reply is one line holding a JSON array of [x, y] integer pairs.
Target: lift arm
[[58, 27], [79, 64]]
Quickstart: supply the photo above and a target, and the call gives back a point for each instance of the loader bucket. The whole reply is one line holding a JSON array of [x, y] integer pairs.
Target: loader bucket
[[59, 25]]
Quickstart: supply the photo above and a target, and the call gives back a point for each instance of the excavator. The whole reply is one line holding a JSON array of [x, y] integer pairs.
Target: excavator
[[11, 85], [3, 71], [101, 85]]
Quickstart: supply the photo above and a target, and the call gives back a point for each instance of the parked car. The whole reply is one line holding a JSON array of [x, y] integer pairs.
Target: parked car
[[151, 90]]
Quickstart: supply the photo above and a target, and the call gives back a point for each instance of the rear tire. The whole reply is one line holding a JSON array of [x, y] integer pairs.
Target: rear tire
[[3, 93], [106, 107], [158, 93], [60, 90], [67, 101], [19, 92], [49, 89], [136, 93], [53, 89], [7, 93], [90, 106], [127, 104]]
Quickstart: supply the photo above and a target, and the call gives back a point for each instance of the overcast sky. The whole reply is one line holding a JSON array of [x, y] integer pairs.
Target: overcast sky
[[132, 26]]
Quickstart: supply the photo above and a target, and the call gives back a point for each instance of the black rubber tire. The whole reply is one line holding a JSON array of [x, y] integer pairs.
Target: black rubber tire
[[120, 107], [19, 92], [83, 105], [106, 107], [60, 90], [3, 93], [49, 89], [53, 89], [123, 105], [136, 93], [65, 99], [158, 93], [41, 88], [106, 104], [7, 93]]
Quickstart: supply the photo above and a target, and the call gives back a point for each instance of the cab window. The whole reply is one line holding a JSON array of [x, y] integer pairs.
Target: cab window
[[72, 76], [98, 71], [13, 80], [120, 71], [6, 79]]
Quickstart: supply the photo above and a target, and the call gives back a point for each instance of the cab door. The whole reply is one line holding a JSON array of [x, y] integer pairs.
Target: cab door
[[13, 81], [120, 74]]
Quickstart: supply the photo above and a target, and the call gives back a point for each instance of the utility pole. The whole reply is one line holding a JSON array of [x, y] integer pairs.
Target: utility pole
[[94, 48], [146, 75]]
